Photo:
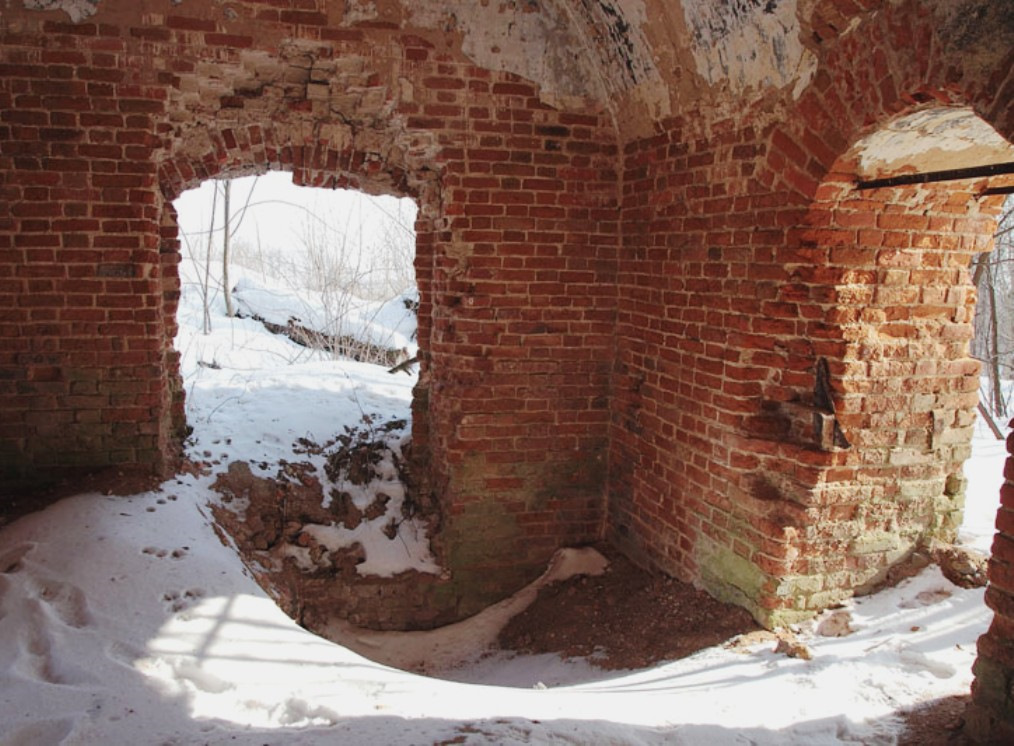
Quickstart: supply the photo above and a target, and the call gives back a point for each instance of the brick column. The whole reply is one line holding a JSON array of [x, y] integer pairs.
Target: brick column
[[990, 716]]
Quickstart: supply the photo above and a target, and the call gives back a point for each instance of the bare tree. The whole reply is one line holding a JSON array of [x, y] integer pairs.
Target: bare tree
[[206, 282], [993, 343], [226, 233]]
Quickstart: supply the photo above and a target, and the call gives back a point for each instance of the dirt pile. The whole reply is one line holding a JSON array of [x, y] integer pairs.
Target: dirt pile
[[625, 618], [296, 529]]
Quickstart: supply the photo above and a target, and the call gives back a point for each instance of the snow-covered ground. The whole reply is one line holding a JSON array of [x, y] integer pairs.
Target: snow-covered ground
[[124, 620]]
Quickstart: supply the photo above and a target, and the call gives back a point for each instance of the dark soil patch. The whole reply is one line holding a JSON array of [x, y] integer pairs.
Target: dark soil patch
[[629, 619], [937, 723], [625, 618]]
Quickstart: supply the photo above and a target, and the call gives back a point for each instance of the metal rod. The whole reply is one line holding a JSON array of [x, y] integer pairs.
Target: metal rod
[[998, 190], [974, 172]]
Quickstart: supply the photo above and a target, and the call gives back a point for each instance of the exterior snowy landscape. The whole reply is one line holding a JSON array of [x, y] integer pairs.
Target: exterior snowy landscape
[[126, 620]]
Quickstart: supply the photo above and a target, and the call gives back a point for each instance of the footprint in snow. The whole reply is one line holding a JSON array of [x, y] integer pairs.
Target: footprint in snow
[[926, 598], [39, 732], [67, 601], [161, 553], [10, 560], [176, 601], [38, 660]]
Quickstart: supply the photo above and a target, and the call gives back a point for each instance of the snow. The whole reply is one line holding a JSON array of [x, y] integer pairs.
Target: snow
[[125, 620], [385, 323], [444, 651], [984, 471]]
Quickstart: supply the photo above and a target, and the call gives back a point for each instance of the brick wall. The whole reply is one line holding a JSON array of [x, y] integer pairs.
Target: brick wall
[[82, 361], [104, 123], [697, 349], [793, 396], [520, 333]]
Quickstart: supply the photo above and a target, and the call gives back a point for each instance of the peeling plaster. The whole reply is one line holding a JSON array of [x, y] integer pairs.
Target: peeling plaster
[[962, 22], [358, 11], [616, 36], [78, 10], [749, 43], [520, 37], [613, 31], [590, 52], [932, 140]]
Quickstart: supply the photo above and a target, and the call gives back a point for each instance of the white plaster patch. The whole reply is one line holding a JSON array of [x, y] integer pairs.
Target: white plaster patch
[[357, 11], [78, 10], [577, 51], [749, 43], [520, 37], [932, 140], [612, 32]]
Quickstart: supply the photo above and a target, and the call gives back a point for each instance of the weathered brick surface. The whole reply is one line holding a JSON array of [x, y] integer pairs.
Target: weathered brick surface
[[82, 363], [748, 264], [990, 717], [686, 332], [722, 330], [105, 123]]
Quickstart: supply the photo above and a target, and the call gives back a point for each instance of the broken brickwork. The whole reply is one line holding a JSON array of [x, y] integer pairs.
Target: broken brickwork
[[654, 307]]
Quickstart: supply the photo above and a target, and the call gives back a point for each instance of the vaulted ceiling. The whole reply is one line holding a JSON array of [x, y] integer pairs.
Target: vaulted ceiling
[[638, 60]]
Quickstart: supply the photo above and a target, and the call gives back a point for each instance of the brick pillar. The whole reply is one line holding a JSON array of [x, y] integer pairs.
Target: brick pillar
[[990, 716]]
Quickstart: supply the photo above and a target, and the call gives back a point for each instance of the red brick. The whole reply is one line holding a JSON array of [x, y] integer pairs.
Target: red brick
[[190, 24]]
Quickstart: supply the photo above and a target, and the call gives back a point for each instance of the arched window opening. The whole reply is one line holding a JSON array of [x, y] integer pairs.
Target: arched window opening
[[904, 219]]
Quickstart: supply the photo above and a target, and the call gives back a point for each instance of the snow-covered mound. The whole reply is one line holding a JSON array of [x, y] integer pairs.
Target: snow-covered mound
[[213, 340], [389, 324]]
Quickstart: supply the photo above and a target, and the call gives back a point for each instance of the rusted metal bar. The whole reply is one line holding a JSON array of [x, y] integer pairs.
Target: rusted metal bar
[[927, 177], [998, 190]]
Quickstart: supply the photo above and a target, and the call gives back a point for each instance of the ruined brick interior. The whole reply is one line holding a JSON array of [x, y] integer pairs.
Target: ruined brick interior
[[655, 309]]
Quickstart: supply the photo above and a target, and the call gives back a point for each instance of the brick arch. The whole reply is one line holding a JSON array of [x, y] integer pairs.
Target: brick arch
[[893, 62], [894, 306], [313, 162], [905, 388], [878, 285], [876, 404]]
